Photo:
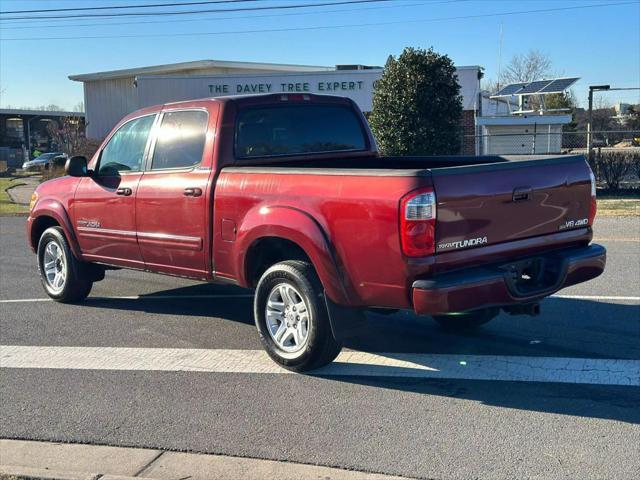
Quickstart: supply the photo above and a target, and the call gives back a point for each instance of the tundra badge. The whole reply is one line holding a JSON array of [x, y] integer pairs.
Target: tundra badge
[[471, 242]]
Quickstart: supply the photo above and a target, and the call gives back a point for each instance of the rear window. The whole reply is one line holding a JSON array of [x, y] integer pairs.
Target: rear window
[[181, 140], [297, 129]]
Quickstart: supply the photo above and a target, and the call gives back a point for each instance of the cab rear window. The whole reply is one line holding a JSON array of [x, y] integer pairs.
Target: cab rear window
[[297, 129]]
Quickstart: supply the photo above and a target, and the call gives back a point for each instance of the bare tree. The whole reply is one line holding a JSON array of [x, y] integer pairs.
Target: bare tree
[[527, 67], [603, 114], [68, 134], [633, 122], [491, 86], [52, 107], [534, 65]]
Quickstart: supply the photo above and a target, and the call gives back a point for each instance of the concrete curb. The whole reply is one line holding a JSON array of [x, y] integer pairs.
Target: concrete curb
[[48, 461], [21, 193], [13, 471], [13, 197]]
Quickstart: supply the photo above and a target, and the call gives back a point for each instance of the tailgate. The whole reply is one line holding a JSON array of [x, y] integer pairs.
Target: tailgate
[[500, 202]]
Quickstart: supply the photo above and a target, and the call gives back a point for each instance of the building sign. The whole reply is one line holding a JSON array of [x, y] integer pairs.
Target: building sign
[[301, 87], [355, 84]]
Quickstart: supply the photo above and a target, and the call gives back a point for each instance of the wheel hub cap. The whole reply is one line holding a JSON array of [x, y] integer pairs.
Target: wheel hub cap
[[54, 266], [287, 318]]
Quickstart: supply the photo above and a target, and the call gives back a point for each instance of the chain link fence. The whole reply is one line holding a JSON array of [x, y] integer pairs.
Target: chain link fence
[[544, 141], [616, 153]]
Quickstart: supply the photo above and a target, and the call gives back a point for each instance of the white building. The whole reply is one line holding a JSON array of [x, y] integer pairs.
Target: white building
[[500, 132], [526, 134], [109, 96]]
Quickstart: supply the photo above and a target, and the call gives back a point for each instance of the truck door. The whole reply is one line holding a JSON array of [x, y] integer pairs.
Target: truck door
[[104, 204], [172, 217]]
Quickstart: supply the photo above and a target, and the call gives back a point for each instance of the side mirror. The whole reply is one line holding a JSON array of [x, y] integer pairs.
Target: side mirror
[[77, 166]]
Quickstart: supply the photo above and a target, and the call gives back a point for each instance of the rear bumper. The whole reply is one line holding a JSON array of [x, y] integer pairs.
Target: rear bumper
[[499, 285]]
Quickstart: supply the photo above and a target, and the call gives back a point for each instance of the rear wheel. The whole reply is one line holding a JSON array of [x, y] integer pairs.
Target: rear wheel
[[64, 278], [292, 317], [466, 321]]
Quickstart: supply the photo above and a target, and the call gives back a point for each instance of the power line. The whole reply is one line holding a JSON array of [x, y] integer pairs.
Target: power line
[[138, 22], [117, 7], [192, 12], [326, 27]]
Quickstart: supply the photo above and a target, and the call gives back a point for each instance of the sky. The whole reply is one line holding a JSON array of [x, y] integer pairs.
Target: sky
[[597, 40]]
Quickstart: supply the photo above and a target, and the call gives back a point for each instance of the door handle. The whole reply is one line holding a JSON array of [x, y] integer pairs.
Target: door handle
[[192, 192], [126, 191], [522, 194]]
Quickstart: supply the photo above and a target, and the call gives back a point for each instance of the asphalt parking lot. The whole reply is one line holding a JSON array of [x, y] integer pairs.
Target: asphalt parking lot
[[578, 417]]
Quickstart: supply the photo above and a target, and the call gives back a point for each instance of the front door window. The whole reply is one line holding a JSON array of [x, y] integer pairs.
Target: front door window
[[125, 150]]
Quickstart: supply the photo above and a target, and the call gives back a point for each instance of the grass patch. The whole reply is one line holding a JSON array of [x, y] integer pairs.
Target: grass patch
[[7, 207], [618, 207]]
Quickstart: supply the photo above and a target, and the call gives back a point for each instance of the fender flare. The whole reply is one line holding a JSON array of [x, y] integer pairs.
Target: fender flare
[[297, 226], [48, 207]]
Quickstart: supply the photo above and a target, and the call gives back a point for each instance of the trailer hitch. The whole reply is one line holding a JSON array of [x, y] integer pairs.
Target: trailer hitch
[[531, 309]]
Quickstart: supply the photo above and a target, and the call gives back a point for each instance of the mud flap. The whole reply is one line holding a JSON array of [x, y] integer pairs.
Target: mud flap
[[345, 322]]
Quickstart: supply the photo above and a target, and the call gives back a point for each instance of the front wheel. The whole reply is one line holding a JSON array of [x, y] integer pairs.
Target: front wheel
[[292, 318], [64, 278], [466, 321]]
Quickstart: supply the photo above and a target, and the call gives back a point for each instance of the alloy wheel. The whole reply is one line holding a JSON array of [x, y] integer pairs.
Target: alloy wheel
[[54, 266], [287, 318]]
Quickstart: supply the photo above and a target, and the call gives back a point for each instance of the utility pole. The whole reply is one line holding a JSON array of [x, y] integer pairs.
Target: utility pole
[[592, 88]]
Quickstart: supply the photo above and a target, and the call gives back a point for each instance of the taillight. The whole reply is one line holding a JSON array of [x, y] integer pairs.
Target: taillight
[[593, 206], [418, 223]]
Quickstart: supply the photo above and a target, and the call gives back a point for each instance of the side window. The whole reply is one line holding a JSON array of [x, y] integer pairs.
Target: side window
[[180, 140], [125, 150]]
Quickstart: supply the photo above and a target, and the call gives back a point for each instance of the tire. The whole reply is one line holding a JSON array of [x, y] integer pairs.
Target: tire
[[466, 321], [296, 341], [66, 280]]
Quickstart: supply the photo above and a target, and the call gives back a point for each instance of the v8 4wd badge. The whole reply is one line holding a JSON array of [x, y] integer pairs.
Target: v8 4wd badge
[[574, 223]]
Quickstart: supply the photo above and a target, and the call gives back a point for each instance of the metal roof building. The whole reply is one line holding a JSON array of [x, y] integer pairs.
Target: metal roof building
[[23, 130], [109, 96]]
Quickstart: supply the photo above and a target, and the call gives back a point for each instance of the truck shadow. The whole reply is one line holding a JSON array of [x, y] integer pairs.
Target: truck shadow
[[199, 300], [566, 328]]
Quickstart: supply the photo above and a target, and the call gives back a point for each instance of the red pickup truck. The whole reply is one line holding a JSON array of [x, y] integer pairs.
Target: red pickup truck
[[286, 194]]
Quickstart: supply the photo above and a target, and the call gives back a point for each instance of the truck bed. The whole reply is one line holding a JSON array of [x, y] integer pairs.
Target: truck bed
[[486, 200], [412, 163], [488, 208]]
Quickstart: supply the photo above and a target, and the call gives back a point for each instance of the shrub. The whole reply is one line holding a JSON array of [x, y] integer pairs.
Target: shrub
[[417, 105], [613, 166]]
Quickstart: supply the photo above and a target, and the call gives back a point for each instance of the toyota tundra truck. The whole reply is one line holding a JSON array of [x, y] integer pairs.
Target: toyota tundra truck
[[286, 194]]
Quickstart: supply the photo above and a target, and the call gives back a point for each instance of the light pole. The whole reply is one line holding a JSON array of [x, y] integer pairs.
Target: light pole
[[592, 88]]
